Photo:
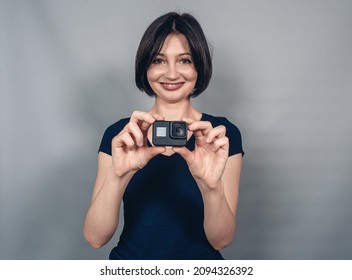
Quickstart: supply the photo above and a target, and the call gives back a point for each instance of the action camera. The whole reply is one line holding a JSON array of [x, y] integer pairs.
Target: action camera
[[169, 133]]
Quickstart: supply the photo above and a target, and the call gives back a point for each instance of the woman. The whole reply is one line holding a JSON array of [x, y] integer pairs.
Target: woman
[[179, 202]]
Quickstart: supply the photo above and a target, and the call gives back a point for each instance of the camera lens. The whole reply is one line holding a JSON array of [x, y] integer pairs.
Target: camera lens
[[178, 130]]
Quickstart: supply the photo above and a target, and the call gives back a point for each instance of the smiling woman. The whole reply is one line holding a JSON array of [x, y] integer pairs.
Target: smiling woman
[[194, 45], [172, 75], [179, 202]]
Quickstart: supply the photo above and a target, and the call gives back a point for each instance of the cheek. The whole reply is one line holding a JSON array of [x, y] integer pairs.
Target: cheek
[[153, 74], [191, 75]]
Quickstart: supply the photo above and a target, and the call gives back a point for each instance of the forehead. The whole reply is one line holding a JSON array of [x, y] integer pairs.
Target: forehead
[[175, 43]]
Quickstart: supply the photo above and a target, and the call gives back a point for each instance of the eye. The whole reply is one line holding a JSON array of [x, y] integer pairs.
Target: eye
[[185, 61], [158, 60]]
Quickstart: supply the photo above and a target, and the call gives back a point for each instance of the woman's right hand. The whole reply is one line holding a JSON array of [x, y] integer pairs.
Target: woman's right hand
[[129, 148]]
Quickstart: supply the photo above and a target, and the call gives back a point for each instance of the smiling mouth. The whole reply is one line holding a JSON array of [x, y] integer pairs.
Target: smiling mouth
[[171, 86]]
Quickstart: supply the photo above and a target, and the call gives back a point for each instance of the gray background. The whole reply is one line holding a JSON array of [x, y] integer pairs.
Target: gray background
[[282, 73]]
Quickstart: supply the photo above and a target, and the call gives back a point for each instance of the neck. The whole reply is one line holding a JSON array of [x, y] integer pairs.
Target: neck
[[176, 111]]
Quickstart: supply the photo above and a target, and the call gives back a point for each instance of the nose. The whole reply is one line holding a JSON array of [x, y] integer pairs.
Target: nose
[[172, 72]]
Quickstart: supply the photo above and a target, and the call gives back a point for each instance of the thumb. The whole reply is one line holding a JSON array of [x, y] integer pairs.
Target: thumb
[[153, 151], [185, 153]]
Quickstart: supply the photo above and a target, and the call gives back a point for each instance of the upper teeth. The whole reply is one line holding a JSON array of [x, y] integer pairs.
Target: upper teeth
[[171, 85]]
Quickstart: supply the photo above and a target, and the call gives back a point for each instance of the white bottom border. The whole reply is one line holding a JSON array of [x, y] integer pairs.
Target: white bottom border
[[228, 269]]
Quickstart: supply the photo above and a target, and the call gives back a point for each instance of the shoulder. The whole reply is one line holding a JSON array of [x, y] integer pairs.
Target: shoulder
[[116, 127], [232, 132], [217, 120], [110, 133]]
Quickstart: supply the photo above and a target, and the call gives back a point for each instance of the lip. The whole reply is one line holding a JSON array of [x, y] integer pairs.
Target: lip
[[172, 86]]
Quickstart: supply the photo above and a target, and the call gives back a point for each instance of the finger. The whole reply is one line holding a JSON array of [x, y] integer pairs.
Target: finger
[[143, 116], [135, 130], [123, 139], [143, 119], [158, 117], [216, 132], [188, 120], [205, 126], [200, 128], [153, 151], [185, 153], [221, 143]]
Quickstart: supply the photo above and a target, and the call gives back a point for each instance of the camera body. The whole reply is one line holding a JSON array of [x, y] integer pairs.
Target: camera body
[[169, 133]]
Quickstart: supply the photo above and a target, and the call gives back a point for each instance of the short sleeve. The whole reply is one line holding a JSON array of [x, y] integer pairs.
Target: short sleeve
[[232, 132], [109, 134], [235, 138]]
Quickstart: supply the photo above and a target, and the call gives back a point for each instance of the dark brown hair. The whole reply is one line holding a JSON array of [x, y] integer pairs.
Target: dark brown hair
[[154, 38]]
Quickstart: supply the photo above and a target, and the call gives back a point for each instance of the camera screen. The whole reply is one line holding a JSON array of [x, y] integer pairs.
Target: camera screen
[[161, 132]]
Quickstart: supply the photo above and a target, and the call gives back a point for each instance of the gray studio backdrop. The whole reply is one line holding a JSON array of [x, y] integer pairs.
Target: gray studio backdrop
[[282, 73]]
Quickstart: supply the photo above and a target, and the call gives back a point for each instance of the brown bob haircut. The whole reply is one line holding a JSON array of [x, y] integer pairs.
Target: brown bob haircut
[[152, 42]]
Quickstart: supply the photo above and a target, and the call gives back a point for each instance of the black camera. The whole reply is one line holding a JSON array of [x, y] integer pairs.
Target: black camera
[[169, 133]]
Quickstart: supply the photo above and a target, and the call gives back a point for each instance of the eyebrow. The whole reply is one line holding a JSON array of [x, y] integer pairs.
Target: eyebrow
[[186, 53]]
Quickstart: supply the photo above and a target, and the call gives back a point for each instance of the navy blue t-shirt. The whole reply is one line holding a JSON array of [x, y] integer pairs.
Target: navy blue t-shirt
[[163, 207]]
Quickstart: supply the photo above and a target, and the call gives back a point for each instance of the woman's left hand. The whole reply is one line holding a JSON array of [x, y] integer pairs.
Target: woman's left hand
[[208, 160]]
